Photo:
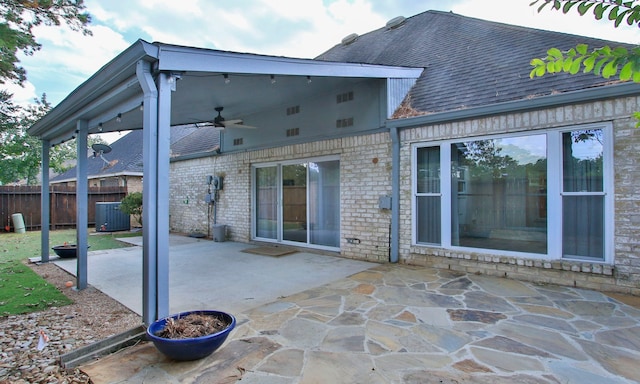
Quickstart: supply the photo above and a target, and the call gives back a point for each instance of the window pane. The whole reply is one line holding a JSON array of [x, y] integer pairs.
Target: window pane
[[582, 160], [428, 211], [266, 202], [428, 166], [324, 203], [582, 226], [499, 194], [428, 207], [294, 202]]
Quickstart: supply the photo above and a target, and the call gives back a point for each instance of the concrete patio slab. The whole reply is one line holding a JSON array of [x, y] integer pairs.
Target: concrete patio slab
[[212, 275]]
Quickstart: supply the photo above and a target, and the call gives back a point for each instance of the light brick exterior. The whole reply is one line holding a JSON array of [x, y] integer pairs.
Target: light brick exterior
[[365, 173], [623, 276]]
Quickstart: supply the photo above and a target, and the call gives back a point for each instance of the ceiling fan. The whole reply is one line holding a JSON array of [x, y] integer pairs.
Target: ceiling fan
[[220, 121]]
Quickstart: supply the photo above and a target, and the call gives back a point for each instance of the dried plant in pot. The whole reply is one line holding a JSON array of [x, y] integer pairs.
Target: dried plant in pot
[[66, 250], [191, 335]]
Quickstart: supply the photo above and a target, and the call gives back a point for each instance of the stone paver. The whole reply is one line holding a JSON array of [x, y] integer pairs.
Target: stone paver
[[403, 324]]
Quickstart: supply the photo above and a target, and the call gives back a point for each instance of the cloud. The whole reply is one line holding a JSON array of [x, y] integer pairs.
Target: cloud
[[286, 27], [22, 95], [68, 58], [291, 28]]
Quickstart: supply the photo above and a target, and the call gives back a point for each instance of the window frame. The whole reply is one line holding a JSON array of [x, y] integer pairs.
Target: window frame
[[554, 193]]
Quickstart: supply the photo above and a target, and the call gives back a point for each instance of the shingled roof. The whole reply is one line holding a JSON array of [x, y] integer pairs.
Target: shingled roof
[[468, 62], [125, 157]]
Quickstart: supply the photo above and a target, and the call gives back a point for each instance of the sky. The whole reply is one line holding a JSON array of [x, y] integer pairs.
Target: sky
[[290, 28]]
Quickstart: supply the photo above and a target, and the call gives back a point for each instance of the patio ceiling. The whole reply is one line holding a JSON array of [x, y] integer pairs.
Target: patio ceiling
[[200, 86]]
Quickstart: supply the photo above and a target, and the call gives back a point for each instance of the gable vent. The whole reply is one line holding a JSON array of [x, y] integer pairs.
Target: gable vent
[[343, 123], [349, 39], [293, 110], [395, 22], [293, 132], [344, 97], [238, 141]]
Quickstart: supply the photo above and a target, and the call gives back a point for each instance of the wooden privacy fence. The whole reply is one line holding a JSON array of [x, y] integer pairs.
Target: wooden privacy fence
[[26, 200]]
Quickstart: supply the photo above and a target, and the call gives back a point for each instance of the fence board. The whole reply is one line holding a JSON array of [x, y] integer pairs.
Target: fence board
[[26, 200]]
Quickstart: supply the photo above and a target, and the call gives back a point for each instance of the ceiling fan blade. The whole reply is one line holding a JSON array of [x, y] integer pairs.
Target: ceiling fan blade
[[238, 124]]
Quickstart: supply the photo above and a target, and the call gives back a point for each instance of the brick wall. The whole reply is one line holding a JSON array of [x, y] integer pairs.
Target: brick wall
[[364, 173], [623, 276], [366, 176]]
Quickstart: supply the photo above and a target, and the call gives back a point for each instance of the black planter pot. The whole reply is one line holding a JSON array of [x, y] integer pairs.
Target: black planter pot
[[66, 251], [191, 348]]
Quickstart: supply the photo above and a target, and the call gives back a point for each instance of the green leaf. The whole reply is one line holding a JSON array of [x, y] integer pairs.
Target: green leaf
[[589, 62], [584, 7], [599, 11], [582, 49], [620, 18], [620, 52], [537, 62], [555, 53], [568, 5], [598, 67], [566, 66], [610, 70], [575, 66], [558, 65], [626, 72]]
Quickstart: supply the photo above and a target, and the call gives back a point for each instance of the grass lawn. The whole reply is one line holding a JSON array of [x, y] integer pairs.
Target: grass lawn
[[21, 289]]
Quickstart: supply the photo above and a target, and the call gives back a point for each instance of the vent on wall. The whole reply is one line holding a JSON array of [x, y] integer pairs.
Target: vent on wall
[[344, 97], [343, 123], [293, 132], [293, 110], [238, 141]]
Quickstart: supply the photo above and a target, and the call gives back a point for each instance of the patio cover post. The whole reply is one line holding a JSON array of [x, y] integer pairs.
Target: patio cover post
[[167, 84], [150, 283], [82, 202], [45, 204]]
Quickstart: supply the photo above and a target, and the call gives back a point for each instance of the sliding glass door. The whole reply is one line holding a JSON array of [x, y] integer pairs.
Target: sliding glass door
[[266, 202], [298, 203]]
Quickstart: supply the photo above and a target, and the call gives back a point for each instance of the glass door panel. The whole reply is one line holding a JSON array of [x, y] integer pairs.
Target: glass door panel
[[266, 202], [324, 203], [294, 203]]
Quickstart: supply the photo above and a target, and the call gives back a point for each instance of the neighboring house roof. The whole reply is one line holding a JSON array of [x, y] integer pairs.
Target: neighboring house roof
[[200, 139], [125, 157], [468, 62]]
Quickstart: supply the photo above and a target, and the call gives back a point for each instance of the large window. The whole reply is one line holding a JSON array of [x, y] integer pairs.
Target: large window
[[542, 193]]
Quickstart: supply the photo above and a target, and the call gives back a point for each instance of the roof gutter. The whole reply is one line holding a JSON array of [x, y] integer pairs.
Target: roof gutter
[[396, 125], [607, 92]]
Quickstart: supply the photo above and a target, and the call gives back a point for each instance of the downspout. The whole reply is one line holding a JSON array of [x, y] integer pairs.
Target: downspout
[[395, 194]]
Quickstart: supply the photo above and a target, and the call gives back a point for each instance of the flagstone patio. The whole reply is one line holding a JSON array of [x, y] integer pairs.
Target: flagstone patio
[[403, 324]]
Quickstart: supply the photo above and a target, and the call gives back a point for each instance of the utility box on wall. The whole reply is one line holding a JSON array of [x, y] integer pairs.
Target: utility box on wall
[[109, 218]]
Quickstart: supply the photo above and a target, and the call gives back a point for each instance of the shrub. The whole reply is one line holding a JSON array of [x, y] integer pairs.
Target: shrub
[[132, 205]]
